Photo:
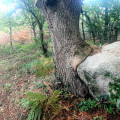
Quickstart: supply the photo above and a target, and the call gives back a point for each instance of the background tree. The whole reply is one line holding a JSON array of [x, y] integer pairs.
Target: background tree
[[9, 22], [102, 19], [36, 18]]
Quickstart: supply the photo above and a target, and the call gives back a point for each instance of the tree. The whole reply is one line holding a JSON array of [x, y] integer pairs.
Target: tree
[[68, 47], [28, 6], [102, 19], [30, 21], [10, 27], [105, 2], [7, 22]]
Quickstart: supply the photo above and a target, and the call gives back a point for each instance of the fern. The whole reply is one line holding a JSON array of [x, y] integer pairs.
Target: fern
[[53, 106], [42, 107], [36, 96]]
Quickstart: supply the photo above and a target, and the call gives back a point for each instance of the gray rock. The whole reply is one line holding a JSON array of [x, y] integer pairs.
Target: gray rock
[[96, 70]]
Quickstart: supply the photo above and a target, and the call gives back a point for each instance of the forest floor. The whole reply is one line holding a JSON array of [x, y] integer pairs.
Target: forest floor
[[16, 78], [14, 84], [12, 89]]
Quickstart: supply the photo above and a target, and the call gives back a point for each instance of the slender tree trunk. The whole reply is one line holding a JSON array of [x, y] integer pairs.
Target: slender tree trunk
[[40, 25], [91, 27], [116, 33], [33, 28], [110, 36], [11, 42], [44, 48], [112, 31], [83, 27], [106, 22], [63, 20]]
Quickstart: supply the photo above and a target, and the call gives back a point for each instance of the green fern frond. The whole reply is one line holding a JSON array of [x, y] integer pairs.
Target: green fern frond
[[36, 96], [54, 97], [35, 114]]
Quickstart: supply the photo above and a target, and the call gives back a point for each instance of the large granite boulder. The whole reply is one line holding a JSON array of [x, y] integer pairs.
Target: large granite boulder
[[98, 70]]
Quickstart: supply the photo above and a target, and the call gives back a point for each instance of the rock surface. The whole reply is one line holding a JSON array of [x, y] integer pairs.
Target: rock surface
[[96, 70]]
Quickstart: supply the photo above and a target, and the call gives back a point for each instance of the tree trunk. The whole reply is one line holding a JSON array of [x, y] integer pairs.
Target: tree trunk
[[69, 49], [91, 27], [33, 28], [83, 27], [116, 33], [10, 27], [44, 48], [106, 22], [40, 25]]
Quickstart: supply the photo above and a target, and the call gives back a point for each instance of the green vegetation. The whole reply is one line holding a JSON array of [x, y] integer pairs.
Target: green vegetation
[[45, 67], [28, 59], [98, 118], [115, 91], [42, 107], [86, 105], [100, 18], [17, 48]]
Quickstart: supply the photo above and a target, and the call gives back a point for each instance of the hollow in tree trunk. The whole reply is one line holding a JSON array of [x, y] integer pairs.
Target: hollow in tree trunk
[[68, 47]]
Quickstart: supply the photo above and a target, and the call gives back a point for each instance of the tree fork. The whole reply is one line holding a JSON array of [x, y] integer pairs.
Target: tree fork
[[68, 47]]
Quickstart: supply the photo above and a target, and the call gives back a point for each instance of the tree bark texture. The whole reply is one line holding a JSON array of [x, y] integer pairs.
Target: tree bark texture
[[69, 49]]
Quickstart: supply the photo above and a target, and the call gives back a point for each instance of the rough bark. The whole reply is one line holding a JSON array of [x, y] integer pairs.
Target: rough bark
[[69, 49]]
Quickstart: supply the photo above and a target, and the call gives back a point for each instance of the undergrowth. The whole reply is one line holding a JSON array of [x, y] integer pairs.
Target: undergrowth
[[27, 59], [42, 107], [45, 67], [86, 105], [17, 48], [115, 91]]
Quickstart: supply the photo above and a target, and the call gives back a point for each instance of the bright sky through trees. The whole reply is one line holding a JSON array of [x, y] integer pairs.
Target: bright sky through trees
[[2, 6], [5, 6]]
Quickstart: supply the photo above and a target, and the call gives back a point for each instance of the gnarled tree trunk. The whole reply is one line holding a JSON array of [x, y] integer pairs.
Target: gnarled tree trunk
[[69, 49]]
